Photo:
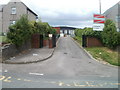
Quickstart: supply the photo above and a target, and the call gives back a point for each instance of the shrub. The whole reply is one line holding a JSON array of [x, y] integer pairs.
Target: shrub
[[110, 35], [79, 32], [89, 32], [42, 28], [20, 32]]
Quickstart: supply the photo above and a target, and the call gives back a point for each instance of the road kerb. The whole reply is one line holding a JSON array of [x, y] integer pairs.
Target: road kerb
[[35, 61], [102, 62], [28, 62]]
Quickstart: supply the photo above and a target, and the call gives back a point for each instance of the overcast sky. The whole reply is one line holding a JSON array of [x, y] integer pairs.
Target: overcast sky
[[76, 13]]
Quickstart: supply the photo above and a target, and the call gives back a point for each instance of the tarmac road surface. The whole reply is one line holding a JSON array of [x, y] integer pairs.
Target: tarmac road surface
[[69, 67]]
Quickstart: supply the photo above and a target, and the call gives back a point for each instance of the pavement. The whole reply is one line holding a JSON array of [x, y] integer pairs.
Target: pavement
[[31, 56]]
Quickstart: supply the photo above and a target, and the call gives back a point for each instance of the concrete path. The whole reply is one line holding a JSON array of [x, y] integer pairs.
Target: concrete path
[[31, 56]]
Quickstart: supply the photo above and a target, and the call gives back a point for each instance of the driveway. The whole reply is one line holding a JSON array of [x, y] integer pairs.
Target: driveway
[[69, 67]]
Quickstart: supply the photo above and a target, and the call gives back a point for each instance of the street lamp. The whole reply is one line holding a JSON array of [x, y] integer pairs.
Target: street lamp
[[100, 5]]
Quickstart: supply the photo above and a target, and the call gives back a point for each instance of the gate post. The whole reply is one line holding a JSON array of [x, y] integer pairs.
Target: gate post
[[54, 40], [84, 41], [41, 41]]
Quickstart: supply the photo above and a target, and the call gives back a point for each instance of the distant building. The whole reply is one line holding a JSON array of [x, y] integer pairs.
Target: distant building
[[66, 30], [11, 12], [57, 29], [114, 14]]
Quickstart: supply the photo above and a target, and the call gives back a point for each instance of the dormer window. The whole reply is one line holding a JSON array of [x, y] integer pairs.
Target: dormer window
[[13, 10]]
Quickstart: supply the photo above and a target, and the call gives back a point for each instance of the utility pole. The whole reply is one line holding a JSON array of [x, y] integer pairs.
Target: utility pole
[[100, 6]]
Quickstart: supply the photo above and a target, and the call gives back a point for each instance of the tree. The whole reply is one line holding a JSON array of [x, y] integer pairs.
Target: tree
[[110, 34]]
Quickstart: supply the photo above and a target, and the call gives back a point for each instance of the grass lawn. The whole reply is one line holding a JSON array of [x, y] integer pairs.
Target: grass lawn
[[3, 39], [102, 53]]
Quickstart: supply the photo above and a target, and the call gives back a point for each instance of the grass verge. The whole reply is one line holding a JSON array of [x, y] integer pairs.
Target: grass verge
[[78, 39], [102, 53], [3, 39]]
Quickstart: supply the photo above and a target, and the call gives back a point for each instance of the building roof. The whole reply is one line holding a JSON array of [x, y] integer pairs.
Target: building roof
[[31, 11], [66, 27]]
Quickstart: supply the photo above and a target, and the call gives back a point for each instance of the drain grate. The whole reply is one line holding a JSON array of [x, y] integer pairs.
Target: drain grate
[[65, 53]]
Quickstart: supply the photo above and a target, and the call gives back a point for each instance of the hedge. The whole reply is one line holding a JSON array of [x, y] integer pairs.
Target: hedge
[[109, 36], [23, 29]]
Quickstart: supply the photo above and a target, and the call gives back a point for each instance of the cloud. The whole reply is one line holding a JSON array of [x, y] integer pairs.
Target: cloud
[[78, 13], [65, 12], [71, 18]]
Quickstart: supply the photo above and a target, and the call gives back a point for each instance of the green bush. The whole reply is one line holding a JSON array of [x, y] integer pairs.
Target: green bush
[[42, 28], [20, 32], [110, 36], [79, 32], [89, 32], [23, 29]]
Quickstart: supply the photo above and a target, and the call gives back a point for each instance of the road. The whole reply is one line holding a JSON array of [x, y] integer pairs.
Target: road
[[69, 67]]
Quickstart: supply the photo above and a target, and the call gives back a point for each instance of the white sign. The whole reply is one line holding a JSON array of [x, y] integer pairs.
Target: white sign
[[99, 21], [98, 27], [50, 35]]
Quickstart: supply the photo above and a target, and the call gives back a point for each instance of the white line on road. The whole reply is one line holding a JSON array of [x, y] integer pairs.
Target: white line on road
[[0, 70], [6, 71], [36, 74], [105, 76]]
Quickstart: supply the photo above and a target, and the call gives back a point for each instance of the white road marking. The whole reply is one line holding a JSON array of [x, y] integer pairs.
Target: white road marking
[[0, 70], [6, 71], [105, 76], [36, 74], [35, 54]]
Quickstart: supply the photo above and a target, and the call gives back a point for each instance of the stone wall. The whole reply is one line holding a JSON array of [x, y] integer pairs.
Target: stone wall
[[9, 51]]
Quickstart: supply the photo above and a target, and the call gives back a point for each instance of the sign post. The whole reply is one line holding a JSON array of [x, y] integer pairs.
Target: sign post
[[99, 21]]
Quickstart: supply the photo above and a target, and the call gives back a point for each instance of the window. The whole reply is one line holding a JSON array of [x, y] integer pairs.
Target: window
[[12, 22], [13, 10]]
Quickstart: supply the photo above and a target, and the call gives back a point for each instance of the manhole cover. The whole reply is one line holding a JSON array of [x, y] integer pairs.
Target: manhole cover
[[65, 53]]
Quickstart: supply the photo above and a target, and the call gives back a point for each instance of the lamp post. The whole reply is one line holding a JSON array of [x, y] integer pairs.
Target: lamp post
[[100, 6]]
